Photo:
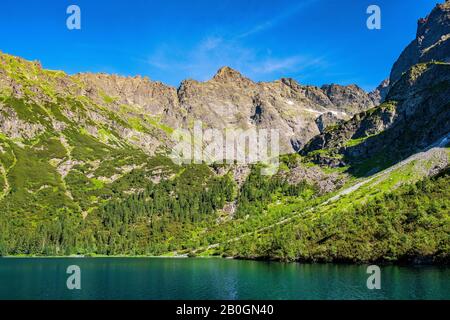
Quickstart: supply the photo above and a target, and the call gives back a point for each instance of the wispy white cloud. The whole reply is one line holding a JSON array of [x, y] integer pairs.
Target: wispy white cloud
[[265, 25], [289, 64], [273, 65]]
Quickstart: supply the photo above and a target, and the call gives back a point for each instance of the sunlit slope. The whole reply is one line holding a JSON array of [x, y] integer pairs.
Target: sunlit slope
[[400, 213]]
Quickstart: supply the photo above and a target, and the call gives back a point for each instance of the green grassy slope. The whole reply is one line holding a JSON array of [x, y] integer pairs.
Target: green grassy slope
[[409, 224]]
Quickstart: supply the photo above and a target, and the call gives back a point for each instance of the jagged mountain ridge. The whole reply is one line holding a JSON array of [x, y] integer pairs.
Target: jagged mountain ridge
[[230, 100]]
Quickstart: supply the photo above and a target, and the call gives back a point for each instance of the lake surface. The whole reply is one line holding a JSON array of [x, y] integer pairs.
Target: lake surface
[[161, 278]]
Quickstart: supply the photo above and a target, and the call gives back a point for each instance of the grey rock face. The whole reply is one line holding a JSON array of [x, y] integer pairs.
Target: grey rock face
[[326, 120], [380, 93], [431, 43], [348, 99], [154, 98]]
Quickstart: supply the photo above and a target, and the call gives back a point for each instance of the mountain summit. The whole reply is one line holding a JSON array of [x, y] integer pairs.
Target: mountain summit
[[228, 74]]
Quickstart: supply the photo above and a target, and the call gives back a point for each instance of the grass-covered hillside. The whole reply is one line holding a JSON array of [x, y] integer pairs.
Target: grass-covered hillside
[[409, 224]]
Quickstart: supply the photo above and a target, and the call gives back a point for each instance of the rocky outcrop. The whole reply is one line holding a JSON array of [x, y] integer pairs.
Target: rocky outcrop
[[326, 120], [14, 127], [314, 175], [348, 99], [153, 98], [380, 93]]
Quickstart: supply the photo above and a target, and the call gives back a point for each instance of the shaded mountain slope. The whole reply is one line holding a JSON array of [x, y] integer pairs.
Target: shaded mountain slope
[[415, 114]]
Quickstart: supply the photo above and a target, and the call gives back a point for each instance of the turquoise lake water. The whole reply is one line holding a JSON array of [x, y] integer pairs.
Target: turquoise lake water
[[161, 278]]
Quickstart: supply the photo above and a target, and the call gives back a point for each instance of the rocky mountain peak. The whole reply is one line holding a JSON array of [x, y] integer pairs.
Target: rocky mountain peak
[[380, 93], [348, 98], [228, 74], [431, 43], [291, 83]]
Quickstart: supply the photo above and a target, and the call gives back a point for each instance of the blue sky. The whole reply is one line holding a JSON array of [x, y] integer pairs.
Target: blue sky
[[313, 41]]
